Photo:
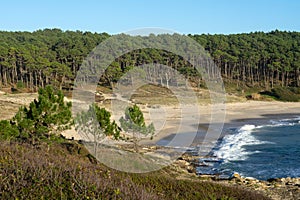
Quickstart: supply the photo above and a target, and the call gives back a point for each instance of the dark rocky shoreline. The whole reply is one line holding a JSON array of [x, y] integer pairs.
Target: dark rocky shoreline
[[276, 188]]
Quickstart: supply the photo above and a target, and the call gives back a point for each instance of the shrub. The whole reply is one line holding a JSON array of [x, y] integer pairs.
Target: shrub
[[7, 130], [44, 117], [54, 172], [282, 94], [28, 172], [295, 90]]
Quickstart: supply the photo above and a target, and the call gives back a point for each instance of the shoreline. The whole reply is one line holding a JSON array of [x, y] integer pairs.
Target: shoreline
[[236, 115], [275, 188]]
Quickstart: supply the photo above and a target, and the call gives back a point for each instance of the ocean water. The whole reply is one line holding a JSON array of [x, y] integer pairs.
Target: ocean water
[[266, 151]]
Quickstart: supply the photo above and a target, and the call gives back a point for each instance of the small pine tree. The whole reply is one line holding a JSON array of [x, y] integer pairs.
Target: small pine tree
[[134, 123], [103, 117], [96, 123], [44, 117]]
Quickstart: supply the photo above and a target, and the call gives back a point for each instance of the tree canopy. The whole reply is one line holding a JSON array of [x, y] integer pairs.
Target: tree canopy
[[53, 56], [96, 122], [133, 122]]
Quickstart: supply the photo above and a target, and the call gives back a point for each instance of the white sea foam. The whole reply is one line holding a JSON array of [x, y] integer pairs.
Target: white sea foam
[[247, 127], [283, 122], [232, 146]]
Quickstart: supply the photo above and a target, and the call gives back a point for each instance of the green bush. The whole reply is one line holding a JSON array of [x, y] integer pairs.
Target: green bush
[[43, 118], [8, 131], [295, 90], [283, 94]]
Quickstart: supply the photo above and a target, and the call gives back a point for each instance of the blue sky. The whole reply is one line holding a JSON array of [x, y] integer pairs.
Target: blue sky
[[185, 16]]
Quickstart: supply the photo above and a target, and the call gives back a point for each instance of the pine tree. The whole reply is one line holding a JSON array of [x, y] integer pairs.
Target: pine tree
[[95, 124], [7, 130], [134, 123], [45, 117]]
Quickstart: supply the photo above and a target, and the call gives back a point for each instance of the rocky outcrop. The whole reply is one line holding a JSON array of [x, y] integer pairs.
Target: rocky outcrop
[[276, 188], [279, 188]]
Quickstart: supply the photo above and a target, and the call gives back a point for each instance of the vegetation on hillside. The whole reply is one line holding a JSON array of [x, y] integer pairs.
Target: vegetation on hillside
[[51, 56], [258, 58], [67, 171]]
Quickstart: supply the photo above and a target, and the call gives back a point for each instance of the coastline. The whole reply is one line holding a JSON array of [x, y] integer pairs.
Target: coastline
[[236, 115], [275, 188]]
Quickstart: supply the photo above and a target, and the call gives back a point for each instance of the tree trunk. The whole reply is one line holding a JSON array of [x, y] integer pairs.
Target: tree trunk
[[297, 77]]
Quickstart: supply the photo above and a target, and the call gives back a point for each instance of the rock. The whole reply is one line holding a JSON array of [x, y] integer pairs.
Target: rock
[[278, 185], [191, 169], [153, 147], [206, 177], [222, 177], [182, 163], [297, 181], [292, 181], [236, 176], [274, 180], [250, 178]]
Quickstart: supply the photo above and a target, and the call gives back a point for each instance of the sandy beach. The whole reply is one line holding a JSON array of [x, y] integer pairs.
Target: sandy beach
[[169, 120], [224, 116], [173, 119]]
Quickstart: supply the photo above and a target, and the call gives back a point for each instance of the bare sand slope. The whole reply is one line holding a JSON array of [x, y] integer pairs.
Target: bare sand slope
[[10, 103]]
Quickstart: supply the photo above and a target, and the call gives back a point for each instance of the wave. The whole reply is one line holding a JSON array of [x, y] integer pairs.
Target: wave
[[283, 122], [232, 147]]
